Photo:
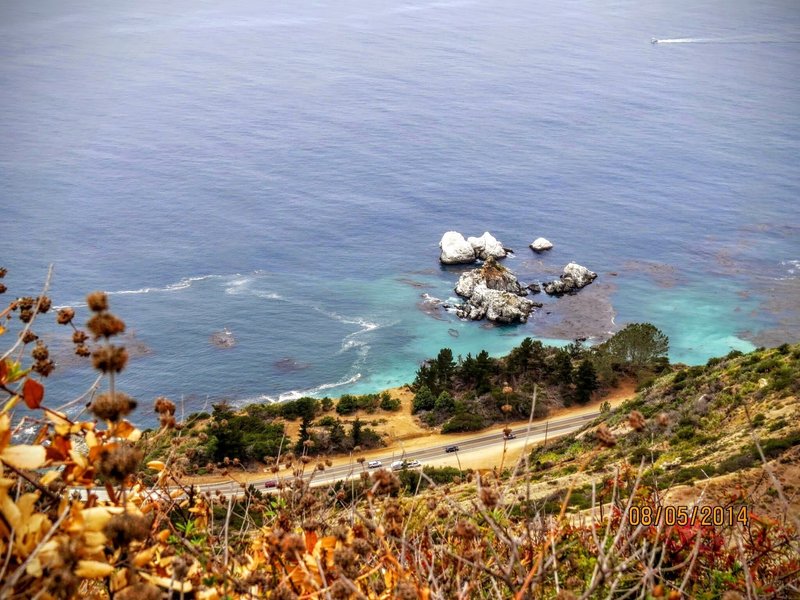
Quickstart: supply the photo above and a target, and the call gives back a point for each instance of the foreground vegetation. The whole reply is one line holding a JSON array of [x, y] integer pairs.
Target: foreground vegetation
[[560, 524]]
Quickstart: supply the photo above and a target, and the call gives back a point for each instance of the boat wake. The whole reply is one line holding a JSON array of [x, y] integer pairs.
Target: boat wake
[[727, 40]]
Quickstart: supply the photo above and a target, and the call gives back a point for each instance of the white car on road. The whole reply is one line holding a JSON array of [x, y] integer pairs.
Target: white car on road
[[374, 464]]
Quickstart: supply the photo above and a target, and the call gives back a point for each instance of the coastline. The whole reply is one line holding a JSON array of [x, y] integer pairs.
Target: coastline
[[410, 435]]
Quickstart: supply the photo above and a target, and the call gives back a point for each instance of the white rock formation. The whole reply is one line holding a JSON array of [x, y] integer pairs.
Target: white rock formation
[[502, 307], [455, 249], [493, 292], [486, 246], [572, 279], [541, 244]]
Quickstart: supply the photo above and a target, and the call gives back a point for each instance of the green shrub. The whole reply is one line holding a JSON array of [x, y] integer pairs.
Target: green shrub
[[410, 479], [389, 403], [776, 425], [463, 422]]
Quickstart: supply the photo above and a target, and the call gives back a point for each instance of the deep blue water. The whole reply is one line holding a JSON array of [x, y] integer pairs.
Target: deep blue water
[[286, 170]]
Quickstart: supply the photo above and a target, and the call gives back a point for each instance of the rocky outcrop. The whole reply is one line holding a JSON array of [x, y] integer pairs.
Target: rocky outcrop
[[572, 279], [459, 251], [456, 250], [493, 276], [486, 246], [541, 244], [493, 292], [501, 307]]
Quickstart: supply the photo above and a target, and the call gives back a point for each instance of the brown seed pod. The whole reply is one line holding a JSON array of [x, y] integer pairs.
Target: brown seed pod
[[79, 337], [111, 407], [40, 351], [44, 303], [110, 358], [164, 406], [65, 315], [637, 421], [44, 367], [97, 301], [119, 462], [604, 436], [105, 325]]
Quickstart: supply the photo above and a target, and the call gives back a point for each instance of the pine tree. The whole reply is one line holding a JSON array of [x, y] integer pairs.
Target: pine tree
[[585, 381]]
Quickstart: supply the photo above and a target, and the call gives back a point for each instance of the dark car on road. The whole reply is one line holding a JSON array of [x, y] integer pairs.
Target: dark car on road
[[451, 449]]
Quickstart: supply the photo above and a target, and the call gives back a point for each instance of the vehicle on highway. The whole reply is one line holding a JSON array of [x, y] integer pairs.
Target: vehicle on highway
[[271, 483], [509, 436], [451, 449], [374, 464], [398, 465]]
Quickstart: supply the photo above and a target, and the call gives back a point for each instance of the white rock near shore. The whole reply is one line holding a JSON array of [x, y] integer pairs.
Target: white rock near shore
[[572, 279], [541, 244], [456, 250], [486, 246]]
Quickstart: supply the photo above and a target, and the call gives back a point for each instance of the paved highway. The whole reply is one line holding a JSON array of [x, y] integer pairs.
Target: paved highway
[[466, 449]]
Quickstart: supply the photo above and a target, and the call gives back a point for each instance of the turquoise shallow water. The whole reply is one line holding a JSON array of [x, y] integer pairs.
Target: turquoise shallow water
[[286, 171]]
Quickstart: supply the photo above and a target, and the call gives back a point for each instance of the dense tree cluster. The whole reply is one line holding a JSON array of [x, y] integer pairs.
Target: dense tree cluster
[[471, 392]]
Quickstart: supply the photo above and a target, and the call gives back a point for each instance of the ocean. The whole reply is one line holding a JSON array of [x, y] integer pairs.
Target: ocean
[[284, 171]]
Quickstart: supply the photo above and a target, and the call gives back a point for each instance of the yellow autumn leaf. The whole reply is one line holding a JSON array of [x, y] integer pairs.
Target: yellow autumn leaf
[[34, 568], [168, 583], [93, 569], [96, 518], [78, 458], [144, 557], [156, 465], [94, 538], [12, 402], [24, 456], [49, 477]]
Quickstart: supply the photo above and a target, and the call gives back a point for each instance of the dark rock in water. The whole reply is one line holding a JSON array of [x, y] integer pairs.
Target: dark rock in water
[[287, 364], [574, 278], [414, 283], [223, 339], [534, 288], [493, 292], [430, 305], [453, 332]]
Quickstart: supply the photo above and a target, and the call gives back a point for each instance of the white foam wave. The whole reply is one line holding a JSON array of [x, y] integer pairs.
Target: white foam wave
[[295, 394], [181, 284], [792, 270], [793, 266]]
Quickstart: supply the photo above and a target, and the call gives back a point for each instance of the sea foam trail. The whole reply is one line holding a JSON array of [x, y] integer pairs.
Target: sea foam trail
[[182, 284], [295, 394], [728, 40]]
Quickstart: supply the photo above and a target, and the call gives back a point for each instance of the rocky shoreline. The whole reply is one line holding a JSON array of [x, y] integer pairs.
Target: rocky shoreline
[[492, 291]]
